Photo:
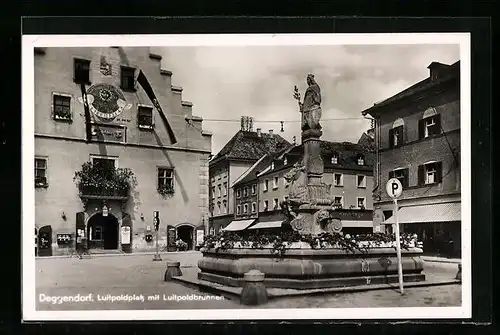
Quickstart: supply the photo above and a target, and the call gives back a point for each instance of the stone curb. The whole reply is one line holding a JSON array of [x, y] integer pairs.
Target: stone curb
[[119, 255], [440, 260], [235, 292]]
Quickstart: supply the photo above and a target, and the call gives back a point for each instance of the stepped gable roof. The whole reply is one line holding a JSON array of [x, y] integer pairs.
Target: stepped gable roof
[[447, 72], [249, 145]]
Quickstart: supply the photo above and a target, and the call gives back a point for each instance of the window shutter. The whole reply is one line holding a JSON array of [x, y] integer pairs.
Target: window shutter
[[437, 127], [421, 177], [405, 183], [391, 138], [439, 172], [401, 131], [391, 174], [421, 129]]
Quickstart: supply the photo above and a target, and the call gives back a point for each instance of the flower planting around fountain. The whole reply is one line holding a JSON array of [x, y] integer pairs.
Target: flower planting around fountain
[[292, 260]]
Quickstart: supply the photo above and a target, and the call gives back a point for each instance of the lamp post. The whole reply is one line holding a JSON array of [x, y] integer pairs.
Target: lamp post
[[156, 222]]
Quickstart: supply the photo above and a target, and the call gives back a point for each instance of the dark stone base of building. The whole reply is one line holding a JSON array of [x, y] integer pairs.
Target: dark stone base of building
[[309, 268]]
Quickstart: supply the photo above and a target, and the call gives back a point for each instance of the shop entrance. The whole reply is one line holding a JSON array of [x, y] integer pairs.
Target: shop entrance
[[102, 232], [186, 233]]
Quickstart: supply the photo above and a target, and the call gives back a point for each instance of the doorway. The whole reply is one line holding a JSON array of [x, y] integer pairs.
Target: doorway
[[185, 233], [102, 232], [45, 241]]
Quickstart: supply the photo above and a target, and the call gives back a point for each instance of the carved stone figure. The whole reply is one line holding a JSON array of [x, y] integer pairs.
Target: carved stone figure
[[311, 106]]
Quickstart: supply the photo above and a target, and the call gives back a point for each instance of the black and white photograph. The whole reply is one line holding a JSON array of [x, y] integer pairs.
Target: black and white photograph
[[266, 176]]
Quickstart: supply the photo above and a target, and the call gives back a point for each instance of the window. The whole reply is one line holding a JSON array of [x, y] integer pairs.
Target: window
[[396, 137], [127, 78], [275, 203], [361, 181], [430, 173], [104, 163], [145, 117], [361, 160], [430, 125], [254, 207], [285, 161], [225, 188], [338, 179], [401, 175], [266, 205], [62, 107], [40, 172], [275, 182], [254, 188], [335, 159], [213, 192], [219, 211], [238, 193], [266, 185], [338, 202], [224, 206], [272, 165], [238, 209], [245, 208], [285, 198], [219, 189], [166, 179], [361, 202], [285, 182], [81, 74], [245, 192]]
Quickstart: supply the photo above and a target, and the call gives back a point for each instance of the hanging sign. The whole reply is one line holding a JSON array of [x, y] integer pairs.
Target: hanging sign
[[125, 235], [105, 210]]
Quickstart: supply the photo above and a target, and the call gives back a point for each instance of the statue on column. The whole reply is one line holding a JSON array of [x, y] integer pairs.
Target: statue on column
[[310, 108]]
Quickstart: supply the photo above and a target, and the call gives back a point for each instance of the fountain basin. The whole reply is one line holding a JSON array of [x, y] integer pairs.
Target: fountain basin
[[308, 268]]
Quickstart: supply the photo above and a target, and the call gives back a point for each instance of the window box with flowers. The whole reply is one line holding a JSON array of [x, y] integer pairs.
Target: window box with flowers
[[165, 185], [104, 180]]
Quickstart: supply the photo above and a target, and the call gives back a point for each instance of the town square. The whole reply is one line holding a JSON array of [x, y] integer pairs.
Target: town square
[[244, 177]]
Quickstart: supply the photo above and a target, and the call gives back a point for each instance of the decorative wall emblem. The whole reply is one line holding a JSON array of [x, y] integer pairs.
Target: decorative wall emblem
[[106, 101], [105, 67], [334, 226]]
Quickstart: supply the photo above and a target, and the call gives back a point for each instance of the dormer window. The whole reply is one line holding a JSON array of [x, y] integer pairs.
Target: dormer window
[[272, 165], [335, 159], [285, 161], [361, 160]]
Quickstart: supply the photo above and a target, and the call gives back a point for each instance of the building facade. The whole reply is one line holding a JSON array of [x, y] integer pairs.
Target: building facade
[[418, 142], [244, 149], [348, 169], [128, 135]]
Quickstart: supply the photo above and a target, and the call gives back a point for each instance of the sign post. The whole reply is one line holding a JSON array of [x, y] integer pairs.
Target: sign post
[[156, 221], [394, 189]]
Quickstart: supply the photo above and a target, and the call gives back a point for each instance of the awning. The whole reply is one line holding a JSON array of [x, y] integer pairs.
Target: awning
[[238, 225], [445, 212], [356, 224], [268, 224]]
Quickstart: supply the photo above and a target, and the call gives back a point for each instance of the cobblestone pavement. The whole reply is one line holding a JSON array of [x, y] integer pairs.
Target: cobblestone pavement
[[139, 275]]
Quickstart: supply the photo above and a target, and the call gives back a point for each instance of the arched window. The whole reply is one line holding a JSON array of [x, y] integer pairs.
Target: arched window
[[396, 134], [430, 124]]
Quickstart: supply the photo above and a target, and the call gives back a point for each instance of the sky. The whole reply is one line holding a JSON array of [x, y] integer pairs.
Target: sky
[[225, 83]]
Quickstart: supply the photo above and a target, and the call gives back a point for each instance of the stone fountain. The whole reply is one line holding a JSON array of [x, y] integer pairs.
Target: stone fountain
[[310, 211]]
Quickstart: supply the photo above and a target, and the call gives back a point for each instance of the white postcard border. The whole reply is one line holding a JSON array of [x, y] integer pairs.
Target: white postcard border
[[28, 215]]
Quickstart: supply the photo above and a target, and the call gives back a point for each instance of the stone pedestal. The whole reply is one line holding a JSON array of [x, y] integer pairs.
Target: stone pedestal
[[254, 292], [173, 270]]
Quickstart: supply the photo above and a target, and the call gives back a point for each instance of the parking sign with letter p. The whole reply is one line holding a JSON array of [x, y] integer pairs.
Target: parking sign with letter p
[[394, 188]]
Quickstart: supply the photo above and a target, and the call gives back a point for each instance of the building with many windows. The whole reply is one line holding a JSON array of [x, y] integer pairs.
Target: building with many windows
[[348, 169], [99, 189], [418, 142], [244, 149]]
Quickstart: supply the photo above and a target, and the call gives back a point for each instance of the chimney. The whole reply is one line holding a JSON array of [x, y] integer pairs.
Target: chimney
[[270, 131], [437, 70], [259, 132]]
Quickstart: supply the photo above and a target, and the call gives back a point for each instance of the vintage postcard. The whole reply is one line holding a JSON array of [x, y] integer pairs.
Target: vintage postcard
[[218, 177]]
